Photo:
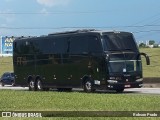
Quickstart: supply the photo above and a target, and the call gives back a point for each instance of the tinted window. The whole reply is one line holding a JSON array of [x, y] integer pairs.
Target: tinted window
[[19, 47], [120, 41], [6, 74], [41, 45], [12, 74], [25, 47], [95, 45], [60, 45], [79, 45]]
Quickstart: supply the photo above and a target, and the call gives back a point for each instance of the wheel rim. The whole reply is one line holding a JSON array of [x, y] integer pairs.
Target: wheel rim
[[88, 85], [31, 84], [39, 85]]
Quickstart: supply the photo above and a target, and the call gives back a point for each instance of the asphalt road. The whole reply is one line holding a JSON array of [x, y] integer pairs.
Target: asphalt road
[[129, 91]]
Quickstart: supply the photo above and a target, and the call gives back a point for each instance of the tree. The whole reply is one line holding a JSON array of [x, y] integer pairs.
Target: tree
[[151, 42], [142, 45]]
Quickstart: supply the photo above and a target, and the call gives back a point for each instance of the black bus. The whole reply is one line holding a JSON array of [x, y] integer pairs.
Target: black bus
[[88, 59]]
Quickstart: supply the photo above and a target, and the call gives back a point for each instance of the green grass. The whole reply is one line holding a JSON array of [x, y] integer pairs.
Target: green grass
[[11, 100], [152, 70], [59, 101], [6, 64]]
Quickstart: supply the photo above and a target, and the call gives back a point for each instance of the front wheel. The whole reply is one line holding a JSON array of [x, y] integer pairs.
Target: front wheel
[[88, 86]]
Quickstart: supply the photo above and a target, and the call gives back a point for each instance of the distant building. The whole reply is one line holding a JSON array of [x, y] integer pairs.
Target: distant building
[[150, 46]]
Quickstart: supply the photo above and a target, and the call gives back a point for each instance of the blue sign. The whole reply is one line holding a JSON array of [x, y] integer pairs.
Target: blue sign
[[7, 45]]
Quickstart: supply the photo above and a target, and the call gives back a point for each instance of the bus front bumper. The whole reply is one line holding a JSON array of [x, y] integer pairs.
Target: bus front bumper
[[114, 86]]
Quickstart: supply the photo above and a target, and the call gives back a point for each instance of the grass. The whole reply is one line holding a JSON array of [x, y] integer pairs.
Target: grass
[[152, 70], [76, 101], [6, 64]]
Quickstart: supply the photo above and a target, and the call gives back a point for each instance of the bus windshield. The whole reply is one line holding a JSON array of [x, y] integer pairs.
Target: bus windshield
[[119, 41], [122, 63]]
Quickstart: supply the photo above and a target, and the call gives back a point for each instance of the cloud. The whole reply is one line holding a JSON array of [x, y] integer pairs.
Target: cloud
[[51, 3], [44, 11]]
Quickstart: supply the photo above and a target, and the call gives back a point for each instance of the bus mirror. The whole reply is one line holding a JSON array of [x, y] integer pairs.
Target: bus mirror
[[147, 58]]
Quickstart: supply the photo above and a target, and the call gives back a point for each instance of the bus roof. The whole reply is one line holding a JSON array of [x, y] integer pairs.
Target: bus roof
[[85, 31], [79, 31]]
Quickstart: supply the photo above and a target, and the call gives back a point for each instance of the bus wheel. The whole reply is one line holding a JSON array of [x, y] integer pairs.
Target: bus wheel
[[120, 90], [31, 85], [88, 86], [39, 85]]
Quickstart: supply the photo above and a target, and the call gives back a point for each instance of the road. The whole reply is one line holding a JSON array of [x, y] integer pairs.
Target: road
[[129, 91]]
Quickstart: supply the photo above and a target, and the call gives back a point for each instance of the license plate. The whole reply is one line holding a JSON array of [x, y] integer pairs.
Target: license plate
[[127, 86]]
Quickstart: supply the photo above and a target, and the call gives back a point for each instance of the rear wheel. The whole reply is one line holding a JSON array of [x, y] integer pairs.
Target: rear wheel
[[31, 85], [88, 86], [39, 85]]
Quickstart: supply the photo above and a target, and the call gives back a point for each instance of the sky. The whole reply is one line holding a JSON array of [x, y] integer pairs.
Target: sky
[[41, 17]]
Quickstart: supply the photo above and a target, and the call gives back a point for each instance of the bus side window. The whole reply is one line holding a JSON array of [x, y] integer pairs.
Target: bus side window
[[78, 45], [95, 45], [60, 45]]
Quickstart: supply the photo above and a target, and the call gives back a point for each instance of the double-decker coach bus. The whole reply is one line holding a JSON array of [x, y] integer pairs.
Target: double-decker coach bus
[[88, 59]]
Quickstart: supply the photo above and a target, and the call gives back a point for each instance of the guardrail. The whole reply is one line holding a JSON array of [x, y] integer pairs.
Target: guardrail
[[151, 80]]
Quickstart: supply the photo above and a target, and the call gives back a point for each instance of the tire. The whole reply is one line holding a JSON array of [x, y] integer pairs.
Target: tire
[[120, 90], [88, 86], [31, 85], [13, 83], [39, 85], [2, 84]]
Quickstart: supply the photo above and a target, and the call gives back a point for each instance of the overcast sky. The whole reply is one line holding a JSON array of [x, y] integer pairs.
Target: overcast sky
[[40, 17]]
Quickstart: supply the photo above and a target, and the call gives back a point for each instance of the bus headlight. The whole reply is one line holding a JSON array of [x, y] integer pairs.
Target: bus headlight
[[139, 80], [112, 81]]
